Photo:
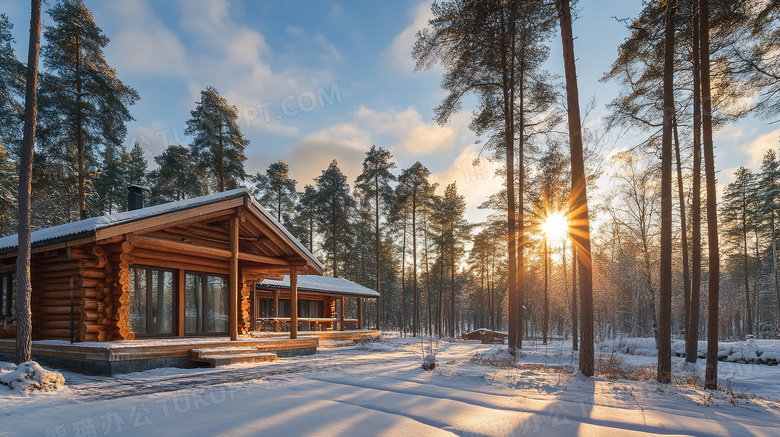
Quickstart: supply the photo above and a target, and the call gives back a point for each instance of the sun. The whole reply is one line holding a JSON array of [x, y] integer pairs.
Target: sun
[[556, 227]]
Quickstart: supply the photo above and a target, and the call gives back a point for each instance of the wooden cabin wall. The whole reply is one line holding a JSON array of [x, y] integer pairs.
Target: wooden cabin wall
[[245, 306], [120, 256], [329, 307]]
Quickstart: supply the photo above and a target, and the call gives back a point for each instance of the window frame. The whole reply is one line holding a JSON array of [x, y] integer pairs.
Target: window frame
[[205, 304], [7, 301], [174, 301]]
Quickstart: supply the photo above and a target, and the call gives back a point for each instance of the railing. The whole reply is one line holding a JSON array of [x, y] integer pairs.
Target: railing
[[282, 324]]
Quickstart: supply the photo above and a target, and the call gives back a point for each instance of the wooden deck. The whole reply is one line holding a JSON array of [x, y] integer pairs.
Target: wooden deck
[[138, 355]]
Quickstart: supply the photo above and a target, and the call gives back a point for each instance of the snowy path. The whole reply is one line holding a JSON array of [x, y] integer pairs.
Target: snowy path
[[379, 389]]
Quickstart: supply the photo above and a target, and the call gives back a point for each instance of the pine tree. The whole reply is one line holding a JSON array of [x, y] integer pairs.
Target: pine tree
[[8, 193], [12, 73], [85, 103], [374, 182], [493, 49], [770, 191], [415, 189], [23, 285], [664, 340], [454, 230], [276, 191], [177, 176], [305, 218], [333, 207], [218, 144], [136, 165], [111, 181], [739, 215], [711, 372], [580, 220]]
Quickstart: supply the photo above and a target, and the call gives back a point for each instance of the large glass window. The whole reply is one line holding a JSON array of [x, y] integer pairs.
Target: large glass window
[[7, 287], [151, 301], [206, 303]]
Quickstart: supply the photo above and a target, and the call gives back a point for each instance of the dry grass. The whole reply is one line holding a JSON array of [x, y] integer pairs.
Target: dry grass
[[615, 367]]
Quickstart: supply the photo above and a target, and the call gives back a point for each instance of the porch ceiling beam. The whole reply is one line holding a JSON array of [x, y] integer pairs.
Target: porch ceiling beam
[[162, 244]]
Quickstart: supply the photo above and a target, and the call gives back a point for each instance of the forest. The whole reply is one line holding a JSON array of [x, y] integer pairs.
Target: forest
[[638, 226]]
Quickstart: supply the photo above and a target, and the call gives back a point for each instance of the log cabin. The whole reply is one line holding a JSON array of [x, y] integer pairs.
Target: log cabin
[[177, 275], [185, 268]]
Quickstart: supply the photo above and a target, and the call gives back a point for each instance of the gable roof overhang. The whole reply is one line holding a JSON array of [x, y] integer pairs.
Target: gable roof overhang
[[157, 217], [321, 285]]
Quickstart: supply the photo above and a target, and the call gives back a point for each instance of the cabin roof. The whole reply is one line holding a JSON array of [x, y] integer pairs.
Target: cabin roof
[[322, 284], [89, 227]]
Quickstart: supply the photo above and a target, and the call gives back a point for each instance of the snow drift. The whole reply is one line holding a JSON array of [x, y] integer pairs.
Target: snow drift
[[30, 376]]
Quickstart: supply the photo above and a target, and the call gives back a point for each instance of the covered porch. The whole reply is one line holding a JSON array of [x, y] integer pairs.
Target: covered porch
[[309, 303]]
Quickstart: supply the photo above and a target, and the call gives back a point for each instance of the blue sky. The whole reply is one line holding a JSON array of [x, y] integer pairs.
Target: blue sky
[[317, 80]]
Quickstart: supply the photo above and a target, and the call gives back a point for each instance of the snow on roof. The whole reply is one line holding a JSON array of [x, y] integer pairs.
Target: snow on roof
[[89, 227], [324, 284]]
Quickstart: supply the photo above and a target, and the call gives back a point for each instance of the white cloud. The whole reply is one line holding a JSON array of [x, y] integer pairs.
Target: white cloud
[[345, 143], [414, 136], [756, 149], [475, 183], [142, 43], [399, 54]]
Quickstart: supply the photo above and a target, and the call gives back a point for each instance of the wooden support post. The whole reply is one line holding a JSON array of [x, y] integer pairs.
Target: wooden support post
[[360, 312], [233, 317], [181, 310], [253, 311], [293, 302], [343, 314], [276, 304]]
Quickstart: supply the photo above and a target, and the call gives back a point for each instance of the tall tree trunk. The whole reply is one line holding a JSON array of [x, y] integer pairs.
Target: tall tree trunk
[[579, 199], [335, 243], [403, 277], [683, 229], [692, 330], [80, 134], [756, 277], [23, 287], [748, 308], [711, 373], [440, 309], [774, 260], [452, 285], [665, 292], [222, 162], [574, 324], [515, 324], [428, 278], [416, 302], [378, 235], [546, 300]]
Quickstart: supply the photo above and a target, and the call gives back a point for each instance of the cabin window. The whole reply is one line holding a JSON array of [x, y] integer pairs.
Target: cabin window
[[306, 308], [7, 287], [151, 301], [205, 304], [309, 308]]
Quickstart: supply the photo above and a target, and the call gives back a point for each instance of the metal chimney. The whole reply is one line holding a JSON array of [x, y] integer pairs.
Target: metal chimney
[[135, 197]]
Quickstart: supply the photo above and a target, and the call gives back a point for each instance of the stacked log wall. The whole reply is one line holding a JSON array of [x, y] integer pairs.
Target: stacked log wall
[[120, 256], [92, 281], [245, 306], [55, 301]]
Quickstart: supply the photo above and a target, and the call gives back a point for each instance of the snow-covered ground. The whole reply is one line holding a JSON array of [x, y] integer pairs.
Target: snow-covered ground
[[380, 389]]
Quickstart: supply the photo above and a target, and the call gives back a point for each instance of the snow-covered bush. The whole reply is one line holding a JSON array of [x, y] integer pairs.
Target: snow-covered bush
[[30, 376]]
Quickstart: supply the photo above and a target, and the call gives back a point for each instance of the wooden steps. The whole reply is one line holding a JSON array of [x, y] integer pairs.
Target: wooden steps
[[329, 344], [222, 356]]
